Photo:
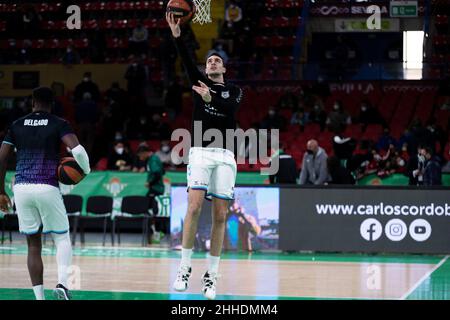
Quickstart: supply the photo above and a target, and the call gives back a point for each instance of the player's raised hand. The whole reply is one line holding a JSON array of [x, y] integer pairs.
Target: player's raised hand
[[203, 91], [174, 24], [5, 203]]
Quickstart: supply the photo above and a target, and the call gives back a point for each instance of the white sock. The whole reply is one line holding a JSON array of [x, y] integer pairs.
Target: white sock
[[39, 292], [63, 256], [213, 264], [186, 255]]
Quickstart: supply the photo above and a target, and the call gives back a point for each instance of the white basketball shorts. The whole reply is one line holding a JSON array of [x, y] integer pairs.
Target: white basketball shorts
[[40, 205], [213, 170]]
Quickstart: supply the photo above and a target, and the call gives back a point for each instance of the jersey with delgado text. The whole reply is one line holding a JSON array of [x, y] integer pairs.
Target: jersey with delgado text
[[37, 139]]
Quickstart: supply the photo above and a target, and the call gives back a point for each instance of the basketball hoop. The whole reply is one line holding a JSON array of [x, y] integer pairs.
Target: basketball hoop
[[202, 12]]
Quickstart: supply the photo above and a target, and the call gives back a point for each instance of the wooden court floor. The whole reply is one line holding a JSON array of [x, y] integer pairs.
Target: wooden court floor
[[102, 273]]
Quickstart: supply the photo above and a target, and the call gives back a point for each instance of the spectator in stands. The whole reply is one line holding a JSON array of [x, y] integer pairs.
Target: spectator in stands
[[137, 78], [318, 115], [288, 101], [436, 136], [314, 166], [119, 158], [139, 165], [87, 85], [287, 172], [24, 53], [369, 115], [338, 118], [386, 140], [116, 94], [273, 120], [414, 168], [139, 40], [300, 118], [338, 173], [71, 56], [432, 172], [86, 117], [165, 155]]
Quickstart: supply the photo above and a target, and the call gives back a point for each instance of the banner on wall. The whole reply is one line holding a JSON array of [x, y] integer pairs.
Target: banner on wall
[[365, 220], [361, 9], [252, 220]]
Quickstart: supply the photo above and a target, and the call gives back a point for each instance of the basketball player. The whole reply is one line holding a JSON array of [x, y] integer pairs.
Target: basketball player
[[211, 172], [40, 208]]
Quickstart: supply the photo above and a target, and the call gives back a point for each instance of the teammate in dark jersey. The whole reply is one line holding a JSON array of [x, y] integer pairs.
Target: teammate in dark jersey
[[40, 208], [211, 171]]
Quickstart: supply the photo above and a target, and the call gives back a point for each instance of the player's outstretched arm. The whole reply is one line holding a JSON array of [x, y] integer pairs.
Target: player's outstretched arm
[[191, 68], [79, 153], [5, 151]]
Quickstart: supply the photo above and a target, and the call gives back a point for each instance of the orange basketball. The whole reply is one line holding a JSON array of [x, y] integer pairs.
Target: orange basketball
[[182, 9], [69, 172]]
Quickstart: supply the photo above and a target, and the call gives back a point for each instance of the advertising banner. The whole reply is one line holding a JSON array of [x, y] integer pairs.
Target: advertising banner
[[252, 220], [365, 220]]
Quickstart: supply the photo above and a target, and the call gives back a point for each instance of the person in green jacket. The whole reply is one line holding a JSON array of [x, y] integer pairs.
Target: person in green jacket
[[155, 172], [154, 169]]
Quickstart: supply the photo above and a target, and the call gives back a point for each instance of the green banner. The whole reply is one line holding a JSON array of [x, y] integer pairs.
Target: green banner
[[120, 184]]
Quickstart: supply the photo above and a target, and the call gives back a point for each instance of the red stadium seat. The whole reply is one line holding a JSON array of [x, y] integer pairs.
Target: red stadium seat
[[266, 22], [127, 5], [151, 23], [262, 41], [102, 164], [281, 22]]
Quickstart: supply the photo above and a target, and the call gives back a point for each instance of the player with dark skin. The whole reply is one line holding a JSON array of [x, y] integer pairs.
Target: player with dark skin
[[34, 259]]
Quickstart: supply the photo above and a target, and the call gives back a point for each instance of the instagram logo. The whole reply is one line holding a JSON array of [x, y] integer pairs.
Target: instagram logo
[[396, 230]]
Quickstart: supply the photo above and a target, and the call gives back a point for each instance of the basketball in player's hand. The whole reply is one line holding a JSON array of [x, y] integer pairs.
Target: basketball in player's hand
[[181, 9], [69, 172]]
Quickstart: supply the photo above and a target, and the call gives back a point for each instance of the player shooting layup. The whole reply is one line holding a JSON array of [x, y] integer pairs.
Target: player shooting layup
[[40, 207], [211, 172]]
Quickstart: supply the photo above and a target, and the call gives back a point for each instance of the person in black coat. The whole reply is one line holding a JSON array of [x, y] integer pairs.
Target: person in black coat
[[432, 173], [338, 174]]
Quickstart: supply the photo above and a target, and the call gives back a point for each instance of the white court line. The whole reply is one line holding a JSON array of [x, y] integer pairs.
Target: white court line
[[7, 248], [122, 248], [403, 297]]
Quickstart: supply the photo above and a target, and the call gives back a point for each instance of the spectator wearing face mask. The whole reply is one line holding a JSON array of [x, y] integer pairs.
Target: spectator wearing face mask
[[273, 120], [319, 116], [87, 85], [314, 166], [338, 118], [165, 154], [369, 115], [119, 159]]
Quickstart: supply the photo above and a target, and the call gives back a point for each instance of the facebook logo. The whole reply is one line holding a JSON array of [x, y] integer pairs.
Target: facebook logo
[[371, 229]]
